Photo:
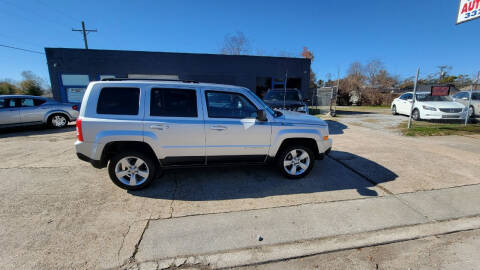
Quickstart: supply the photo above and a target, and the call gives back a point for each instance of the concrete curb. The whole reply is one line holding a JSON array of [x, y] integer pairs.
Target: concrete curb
[[285, 251]]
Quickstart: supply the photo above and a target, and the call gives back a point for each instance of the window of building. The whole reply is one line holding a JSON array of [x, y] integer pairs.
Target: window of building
[[117, 100], [173, 102], [294, 83], [229, 105]]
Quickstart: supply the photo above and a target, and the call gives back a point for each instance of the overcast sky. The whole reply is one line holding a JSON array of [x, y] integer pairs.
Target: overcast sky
[[403, 34]]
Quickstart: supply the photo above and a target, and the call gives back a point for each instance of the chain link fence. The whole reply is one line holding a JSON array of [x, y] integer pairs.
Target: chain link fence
[[324, 100]]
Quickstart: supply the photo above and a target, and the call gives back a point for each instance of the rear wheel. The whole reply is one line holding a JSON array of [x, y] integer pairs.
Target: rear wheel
[[58, 120], [296, 161], [132, 170], [416, 115]]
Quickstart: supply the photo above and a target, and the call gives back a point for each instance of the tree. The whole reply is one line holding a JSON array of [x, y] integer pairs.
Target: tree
[[372, 70], [309, 55], [31, 84], [8, 88], [235, 44]]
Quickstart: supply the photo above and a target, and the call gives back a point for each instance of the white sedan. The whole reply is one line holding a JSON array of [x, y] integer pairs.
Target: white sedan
[[428, 107]]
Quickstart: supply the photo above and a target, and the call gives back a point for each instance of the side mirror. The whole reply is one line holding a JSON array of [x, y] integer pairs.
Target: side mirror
[[262, 115]]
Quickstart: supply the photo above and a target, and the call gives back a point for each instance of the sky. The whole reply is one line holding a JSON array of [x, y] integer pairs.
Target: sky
[[402, 34]]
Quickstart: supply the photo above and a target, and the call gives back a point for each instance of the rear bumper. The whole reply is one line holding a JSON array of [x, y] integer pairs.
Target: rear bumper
[[83, 153], [95, 163]]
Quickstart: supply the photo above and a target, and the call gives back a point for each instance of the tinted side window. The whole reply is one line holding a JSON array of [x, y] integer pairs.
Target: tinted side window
[[408, 96], [38, 102], [3, 103], [229, 105], [117, 100], [173, 102], [476, 96], [27, 102], [403, 97]]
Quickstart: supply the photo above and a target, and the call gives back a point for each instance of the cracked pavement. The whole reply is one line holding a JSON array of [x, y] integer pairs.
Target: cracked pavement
[[59, 212]]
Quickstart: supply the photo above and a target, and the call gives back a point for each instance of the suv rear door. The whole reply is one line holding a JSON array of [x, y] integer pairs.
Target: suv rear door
[[9, 113], [174, 123], [232, 131]]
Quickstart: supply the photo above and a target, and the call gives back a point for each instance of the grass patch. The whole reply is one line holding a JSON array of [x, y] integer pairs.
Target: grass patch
[[420, 128]]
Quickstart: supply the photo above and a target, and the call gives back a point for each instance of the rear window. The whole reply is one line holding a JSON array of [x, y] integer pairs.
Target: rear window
[[173, 102], [118, 100]]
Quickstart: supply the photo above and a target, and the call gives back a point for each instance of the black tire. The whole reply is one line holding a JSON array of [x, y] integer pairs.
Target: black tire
[[58, 120], [394, 110], [147, 159], [472, 115], [284, 154], [416, 115]]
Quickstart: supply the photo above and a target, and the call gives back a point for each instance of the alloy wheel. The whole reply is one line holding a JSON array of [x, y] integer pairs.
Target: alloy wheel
[[59, 121], [132, 171], [296, 162]]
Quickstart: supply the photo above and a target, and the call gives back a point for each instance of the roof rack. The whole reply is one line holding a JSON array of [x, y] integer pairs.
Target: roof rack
[[146, 79]]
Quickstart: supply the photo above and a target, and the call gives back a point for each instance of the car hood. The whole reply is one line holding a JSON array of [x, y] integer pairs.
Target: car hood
[[442, 104], [290, 117]]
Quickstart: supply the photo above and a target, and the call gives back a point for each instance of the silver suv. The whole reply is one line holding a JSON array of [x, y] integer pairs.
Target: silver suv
[[141, 127]]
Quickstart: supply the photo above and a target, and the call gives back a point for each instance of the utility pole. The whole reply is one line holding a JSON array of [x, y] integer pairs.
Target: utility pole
[[85, 32], [414, 98]]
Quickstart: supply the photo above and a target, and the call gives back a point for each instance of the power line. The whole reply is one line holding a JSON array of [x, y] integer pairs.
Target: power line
[[21, 49]]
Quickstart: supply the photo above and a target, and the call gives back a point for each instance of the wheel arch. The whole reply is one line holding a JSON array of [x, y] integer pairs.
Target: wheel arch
[[112, 148], [308, 142]]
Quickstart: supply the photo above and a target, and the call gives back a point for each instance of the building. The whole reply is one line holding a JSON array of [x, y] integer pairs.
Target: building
[[72, 69]]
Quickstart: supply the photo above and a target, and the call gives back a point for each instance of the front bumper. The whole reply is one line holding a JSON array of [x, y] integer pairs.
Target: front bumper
[[324, 146], [436, 115]]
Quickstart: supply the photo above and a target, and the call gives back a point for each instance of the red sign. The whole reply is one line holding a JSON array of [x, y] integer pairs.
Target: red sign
[[440, 90]]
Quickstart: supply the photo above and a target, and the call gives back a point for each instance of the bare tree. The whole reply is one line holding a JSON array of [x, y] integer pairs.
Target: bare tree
[[236, 44], [372, 70]]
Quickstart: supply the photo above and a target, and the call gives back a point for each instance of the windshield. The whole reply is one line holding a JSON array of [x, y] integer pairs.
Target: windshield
[[426, 97], [278, 96], [259, 100]]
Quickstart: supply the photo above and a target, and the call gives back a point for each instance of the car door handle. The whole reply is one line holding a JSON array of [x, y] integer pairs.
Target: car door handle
[[219, 128], [159, 126]]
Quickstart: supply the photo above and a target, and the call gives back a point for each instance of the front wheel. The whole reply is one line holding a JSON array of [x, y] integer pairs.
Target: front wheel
[[132, 170], [416, 115], [470, 112], [394, 110], [296, 161]]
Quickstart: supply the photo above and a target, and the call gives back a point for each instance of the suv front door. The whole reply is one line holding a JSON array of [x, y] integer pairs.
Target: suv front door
[[174, 121], [232, 131]]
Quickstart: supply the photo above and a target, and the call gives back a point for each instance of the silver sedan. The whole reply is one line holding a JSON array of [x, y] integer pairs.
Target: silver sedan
[[19, 110]]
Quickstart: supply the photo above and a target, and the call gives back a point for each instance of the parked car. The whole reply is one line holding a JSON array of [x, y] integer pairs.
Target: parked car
[[18, 110], [140, 127], [428, 107], [463, 96], [290, 99]]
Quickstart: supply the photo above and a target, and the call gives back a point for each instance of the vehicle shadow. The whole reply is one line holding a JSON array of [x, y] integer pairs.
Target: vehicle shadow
[[33, 130], [335, 128], [226, 183]]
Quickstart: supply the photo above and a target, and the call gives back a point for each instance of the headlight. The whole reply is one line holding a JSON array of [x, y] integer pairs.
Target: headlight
[[302, 109], [429, 108]]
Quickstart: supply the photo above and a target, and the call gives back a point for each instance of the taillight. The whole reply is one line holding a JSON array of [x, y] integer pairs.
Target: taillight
[[79, 129], [75, 107]]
